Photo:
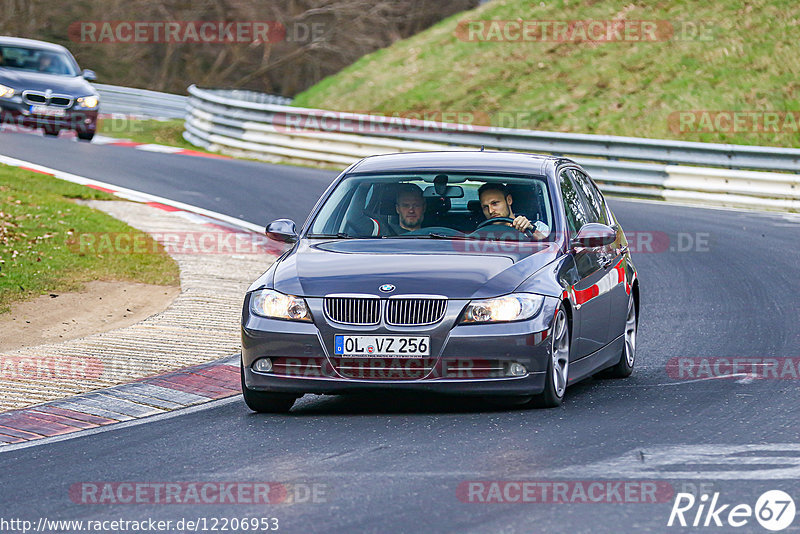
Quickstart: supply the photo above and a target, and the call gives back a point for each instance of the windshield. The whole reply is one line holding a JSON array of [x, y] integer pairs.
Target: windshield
[[437, 205], [37, 60]]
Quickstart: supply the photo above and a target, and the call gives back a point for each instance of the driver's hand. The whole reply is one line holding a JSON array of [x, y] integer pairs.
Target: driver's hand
[[522, 223]]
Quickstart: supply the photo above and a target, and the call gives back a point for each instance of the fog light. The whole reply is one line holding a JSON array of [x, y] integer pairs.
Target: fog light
[[517, 369], [264, 365]]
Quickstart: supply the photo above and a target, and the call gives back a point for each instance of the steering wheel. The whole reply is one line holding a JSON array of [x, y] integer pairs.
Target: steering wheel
[[495, 220]]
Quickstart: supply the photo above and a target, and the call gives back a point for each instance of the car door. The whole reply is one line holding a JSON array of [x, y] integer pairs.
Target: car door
[[613, 255], [592, 306]]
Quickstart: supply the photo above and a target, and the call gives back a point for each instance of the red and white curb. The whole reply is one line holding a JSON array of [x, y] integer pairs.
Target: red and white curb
[[145, 397], [150, 147]]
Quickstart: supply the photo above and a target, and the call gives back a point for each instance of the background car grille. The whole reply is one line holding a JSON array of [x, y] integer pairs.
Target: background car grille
[[37, 98], [353, 310], [60, 101], [415, 311]]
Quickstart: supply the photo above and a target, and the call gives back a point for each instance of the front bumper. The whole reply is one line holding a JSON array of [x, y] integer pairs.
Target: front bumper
[[18, 113], [464, 359]]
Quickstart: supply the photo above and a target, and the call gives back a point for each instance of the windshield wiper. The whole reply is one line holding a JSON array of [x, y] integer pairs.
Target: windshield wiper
[[342, 235], [432, 235], [339, 235]]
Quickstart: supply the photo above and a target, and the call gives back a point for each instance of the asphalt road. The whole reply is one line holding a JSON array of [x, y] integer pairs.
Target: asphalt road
[[388, 464]]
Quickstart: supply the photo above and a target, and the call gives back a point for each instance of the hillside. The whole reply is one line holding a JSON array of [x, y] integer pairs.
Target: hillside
[[702, 59]]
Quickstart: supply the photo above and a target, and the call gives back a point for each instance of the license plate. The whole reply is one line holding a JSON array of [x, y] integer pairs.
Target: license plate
[[378, 346], [45, 110]]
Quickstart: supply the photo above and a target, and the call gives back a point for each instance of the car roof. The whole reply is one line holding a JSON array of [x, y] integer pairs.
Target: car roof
[[458, 160], [31, 43]]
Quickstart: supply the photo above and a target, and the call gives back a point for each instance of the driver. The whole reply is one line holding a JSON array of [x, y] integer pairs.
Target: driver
[[410, 208], [47, 64], [496, 202]]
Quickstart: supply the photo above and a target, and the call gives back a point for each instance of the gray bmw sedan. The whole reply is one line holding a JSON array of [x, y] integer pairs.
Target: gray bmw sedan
[[464, 273]]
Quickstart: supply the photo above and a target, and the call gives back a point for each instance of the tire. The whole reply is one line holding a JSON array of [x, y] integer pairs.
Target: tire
[[85, 136], [558, 366], [51, 131], [627, 359], [266, 402]]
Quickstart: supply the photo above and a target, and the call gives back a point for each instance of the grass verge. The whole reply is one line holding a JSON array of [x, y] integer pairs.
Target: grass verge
[[39, 254], [724, 56]]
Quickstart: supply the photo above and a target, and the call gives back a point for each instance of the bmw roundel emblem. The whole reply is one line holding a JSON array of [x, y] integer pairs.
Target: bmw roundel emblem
[[387, 288]]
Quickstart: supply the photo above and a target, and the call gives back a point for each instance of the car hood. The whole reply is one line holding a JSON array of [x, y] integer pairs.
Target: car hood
[[37, 81], [455, 269]]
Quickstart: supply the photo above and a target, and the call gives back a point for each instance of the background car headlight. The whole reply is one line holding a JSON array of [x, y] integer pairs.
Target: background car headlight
[[514, 307], [276, 305], [88, 101], [6, 92]]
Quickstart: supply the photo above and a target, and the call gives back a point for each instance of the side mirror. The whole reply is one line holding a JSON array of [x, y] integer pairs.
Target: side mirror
[[283, 230], [89, 75], [594, 235]]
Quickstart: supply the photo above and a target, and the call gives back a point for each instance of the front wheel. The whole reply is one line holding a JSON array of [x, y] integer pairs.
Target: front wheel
[[85, 136], [267, 402], [558, 366]]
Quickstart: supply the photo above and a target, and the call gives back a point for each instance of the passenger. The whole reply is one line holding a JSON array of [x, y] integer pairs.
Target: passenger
[[496, 202], [410, 208]]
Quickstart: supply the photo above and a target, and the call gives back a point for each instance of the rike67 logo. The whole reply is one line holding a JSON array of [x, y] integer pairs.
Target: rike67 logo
[[774, 510]]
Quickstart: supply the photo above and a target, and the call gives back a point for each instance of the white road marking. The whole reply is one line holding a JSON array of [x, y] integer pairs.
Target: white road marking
[[159, 148], [711, 462]]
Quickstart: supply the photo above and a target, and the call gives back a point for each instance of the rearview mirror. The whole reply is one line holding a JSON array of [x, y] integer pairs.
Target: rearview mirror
[[283, 230], [594, 235], [450, 191], [89, 75]]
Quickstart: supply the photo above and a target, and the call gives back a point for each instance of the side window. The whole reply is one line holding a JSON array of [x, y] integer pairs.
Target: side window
[[592, 197], [573, 204]]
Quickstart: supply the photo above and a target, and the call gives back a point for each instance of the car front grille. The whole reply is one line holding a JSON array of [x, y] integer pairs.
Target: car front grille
[[37, 98], [415, 311], [412, 311], [353, 310]]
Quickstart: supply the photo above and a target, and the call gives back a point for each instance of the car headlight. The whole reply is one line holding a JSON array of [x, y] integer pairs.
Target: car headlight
[[88, 102], [514, 307], [6, 92], [276, 305]]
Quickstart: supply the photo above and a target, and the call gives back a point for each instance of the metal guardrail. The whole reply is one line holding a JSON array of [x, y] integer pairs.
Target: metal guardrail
[[220, 121], [140, 102]]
